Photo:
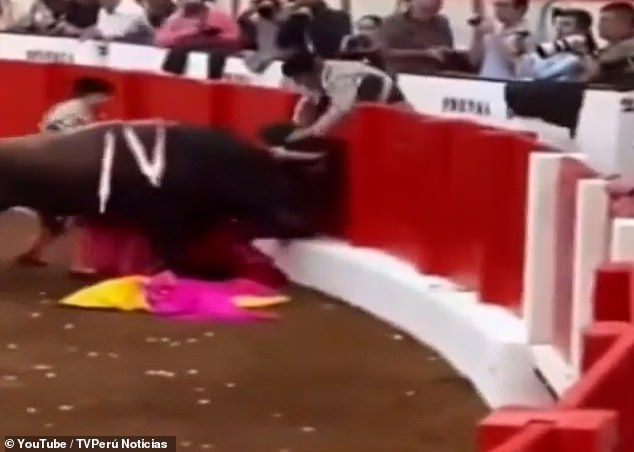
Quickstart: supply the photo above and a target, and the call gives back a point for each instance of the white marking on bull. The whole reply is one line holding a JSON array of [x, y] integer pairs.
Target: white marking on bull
[[105, 178], [152, 167]]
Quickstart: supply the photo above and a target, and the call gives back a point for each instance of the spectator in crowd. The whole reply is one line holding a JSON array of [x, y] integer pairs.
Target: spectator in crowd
[[61, 17], [401, 6], [365, 44], [259, 27], [498, 45], [199, 24], [158, 11], [54, 17], [417, 39], [314, 27], [615, 62], [567, 57], [331, 90], [78, 16], [121, 20], [24, 16], [5, 14], [14, 13]]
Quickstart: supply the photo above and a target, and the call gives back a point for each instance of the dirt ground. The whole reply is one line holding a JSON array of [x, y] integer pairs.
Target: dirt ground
[[324, 378]]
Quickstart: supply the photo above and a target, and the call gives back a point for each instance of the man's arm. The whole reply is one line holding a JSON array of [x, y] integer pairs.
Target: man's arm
[[566, 65], [303, 113], [343, 95]]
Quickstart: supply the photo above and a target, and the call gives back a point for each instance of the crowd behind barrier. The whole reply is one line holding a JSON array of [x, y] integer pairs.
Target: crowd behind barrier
[[458, 199]]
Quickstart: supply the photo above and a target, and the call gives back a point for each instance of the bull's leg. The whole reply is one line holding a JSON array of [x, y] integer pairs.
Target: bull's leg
[[50, 228]]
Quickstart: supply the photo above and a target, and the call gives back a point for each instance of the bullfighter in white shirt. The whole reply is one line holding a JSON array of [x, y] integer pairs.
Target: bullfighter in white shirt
[[332, 89]]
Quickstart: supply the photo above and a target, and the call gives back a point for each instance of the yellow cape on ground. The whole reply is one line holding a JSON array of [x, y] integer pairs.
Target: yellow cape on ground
[[123, 294], [250, 302]]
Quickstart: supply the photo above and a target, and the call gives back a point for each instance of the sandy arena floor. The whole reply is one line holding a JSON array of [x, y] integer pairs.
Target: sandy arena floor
[[325, 378]]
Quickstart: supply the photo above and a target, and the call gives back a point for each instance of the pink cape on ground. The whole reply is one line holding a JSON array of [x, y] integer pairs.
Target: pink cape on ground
[[172, 296]]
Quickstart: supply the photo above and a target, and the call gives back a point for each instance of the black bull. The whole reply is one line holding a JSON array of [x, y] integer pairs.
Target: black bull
[[209, 176]]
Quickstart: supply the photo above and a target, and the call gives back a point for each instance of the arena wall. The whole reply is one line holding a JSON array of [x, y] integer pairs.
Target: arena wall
[[456, 200]]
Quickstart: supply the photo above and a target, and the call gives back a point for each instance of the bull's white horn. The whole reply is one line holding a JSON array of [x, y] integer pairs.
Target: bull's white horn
[[284, 154]]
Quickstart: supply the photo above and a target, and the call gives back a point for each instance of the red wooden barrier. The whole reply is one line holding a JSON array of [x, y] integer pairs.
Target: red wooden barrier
[[536, 437], [504, 169], [244, 109], [366, 193], [607, 384], [173, 98], [402, 168], [613, 292], [383, 166], [572, 171], [545, 431], [24, 94], [435, 160], [464, 204]]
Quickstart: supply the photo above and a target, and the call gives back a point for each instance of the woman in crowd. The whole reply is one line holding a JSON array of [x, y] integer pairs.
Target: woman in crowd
[[197, 23]]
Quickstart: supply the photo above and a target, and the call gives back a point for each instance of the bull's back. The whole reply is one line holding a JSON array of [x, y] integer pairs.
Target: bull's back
[[226, 166]]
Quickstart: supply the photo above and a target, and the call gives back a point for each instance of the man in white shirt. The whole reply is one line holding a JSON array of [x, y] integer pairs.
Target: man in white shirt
[[498, 44], [14, 13], [121, 20], [333, 88]]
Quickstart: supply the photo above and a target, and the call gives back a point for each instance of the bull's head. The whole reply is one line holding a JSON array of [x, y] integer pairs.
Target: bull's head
[[312, 169]]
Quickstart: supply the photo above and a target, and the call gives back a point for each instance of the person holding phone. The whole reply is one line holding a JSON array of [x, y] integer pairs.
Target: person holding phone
[[498, 43], [200, 24]]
